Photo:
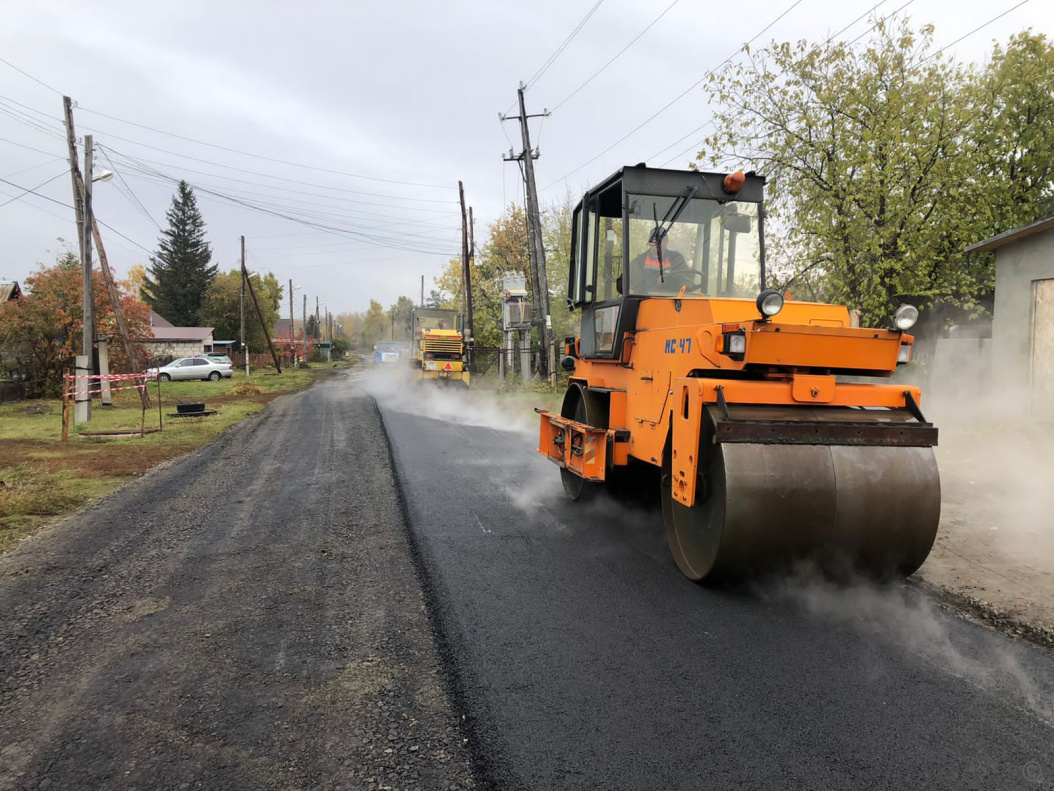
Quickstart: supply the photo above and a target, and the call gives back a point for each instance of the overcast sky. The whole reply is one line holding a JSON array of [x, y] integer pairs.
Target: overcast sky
[[362, 116]]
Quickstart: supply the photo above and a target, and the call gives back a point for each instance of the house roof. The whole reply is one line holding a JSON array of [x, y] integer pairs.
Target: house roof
[[181, 333], [995, 242], [9, 291], [157, 320]]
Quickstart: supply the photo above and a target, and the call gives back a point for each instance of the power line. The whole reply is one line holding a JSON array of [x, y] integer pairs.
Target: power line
[[976, 29], [261, 156], [866, 13], [32, 189], [680, 96], [617, 56], [378, 241], [552, 58], [140, 161], [30, 148], [135, 198], [67, 206], [139, 169], [27, 74], [828, 41]]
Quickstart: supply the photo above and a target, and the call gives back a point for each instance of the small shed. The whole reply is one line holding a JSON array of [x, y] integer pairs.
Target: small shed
[[1023, 318]]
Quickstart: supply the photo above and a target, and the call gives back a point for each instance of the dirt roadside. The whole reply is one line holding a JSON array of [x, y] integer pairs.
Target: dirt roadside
[[994, 556], [246, 617]]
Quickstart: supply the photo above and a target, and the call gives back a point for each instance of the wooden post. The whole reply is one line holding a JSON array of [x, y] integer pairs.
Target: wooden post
[[292, 339], [259, 315], [160, 420], [115, 300], [65, 408]]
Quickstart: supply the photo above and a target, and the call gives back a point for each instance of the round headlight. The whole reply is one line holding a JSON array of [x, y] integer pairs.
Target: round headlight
[[905, 317], [769, 303]]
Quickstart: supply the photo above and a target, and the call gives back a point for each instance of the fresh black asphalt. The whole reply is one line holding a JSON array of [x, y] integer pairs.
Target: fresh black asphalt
[[586, 661]]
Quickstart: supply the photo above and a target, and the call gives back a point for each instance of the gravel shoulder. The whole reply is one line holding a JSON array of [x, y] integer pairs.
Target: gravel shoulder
[[247, 617], [994, 556]]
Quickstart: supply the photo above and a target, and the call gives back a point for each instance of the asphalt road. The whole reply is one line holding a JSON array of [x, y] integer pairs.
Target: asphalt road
[[586, 661], [248, 617]]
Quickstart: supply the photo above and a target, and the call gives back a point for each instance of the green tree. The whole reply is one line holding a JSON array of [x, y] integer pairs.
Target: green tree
[[181, 271], [865, 147], [375, 324], [221, 308], [1013, 134], [401, 316], [504, 252], [556, 231]]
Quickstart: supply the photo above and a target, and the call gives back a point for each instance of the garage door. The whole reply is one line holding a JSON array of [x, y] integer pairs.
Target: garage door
[[1043, 349]]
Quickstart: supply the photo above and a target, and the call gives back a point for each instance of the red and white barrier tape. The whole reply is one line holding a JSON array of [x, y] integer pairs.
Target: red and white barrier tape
[[75, 393], [110, 377]]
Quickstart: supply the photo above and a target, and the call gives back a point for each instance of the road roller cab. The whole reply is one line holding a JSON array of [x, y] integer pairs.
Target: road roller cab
[[738, 394]]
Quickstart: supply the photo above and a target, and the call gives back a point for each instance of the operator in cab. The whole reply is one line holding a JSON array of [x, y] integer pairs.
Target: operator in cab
[[649, 276]]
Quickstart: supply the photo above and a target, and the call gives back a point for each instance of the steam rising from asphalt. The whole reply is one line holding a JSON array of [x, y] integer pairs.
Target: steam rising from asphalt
[[909, 621], [391, 386]]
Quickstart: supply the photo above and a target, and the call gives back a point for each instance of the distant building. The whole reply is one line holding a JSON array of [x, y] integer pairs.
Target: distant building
[[1023, 319], [169, 341], [9, 292]]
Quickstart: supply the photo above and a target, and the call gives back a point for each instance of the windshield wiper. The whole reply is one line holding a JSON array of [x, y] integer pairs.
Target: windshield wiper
[[668, 219]]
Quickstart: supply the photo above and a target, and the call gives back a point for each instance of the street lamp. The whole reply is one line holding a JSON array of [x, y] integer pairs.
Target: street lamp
[[245, 351]]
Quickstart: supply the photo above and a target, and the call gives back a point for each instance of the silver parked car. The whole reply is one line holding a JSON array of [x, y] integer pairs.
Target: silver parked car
[[192, 368]]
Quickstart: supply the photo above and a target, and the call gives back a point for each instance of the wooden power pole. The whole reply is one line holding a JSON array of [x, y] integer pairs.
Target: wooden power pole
[[536, 246], [260, 316], [466, 271], [292, 339]]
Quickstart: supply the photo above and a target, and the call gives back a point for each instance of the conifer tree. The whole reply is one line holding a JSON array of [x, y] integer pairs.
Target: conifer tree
[[181, 271]]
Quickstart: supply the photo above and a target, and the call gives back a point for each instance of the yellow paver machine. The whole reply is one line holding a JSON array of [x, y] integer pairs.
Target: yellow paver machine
[[748, 404]]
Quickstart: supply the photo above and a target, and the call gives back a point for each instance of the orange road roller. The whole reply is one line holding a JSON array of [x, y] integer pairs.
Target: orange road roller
[[771, 447]]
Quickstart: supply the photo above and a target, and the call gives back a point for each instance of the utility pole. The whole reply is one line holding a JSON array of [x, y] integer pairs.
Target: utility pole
[[292, 341], [82, 409], [111, 286], [318, 322], [466, 272], [422, 291], [303, 329], [87, 304], [539, 281], [245, 351], [259, 314], [78, 187]]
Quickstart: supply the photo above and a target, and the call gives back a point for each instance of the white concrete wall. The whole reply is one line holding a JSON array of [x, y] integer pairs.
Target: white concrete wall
[[1016, 266], [174, 349]]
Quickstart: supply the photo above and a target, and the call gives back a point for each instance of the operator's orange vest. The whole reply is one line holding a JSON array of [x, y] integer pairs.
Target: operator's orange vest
[[653, 263]]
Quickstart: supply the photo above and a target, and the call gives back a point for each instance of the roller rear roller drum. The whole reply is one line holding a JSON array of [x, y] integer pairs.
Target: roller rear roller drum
[[845, 508]]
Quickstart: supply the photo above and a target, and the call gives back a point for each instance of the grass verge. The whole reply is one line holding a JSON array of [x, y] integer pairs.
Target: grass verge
[[42, 478]]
